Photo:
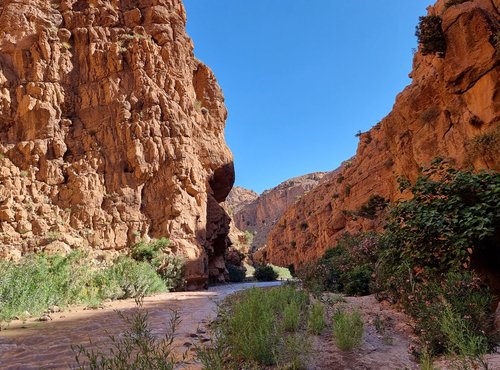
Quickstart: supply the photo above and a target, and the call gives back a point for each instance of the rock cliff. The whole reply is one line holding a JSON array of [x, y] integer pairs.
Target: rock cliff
[[259, 215], [111, 131], [239, 198], [451, 109]]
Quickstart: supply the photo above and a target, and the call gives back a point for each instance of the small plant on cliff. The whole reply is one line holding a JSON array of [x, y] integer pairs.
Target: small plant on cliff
[[496, 42], [486, 145], [429, 115], [265, 273], [347, 190], [430, 35], [451, 3], [375, 204], [249, 237]]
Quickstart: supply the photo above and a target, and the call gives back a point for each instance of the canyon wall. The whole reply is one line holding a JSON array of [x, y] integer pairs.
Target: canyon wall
[[259, 215], [111, 131], [451, 109], [239, 198]]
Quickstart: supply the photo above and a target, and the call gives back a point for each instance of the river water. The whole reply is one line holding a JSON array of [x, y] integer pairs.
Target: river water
[[47, 345]]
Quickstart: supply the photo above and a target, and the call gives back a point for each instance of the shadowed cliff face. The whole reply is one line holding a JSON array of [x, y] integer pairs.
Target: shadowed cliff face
[[451, 109], [111, 131]]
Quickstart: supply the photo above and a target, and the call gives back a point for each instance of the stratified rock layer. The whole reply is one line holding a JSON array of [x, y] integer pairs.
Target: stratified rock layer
[[451, 109], [111, 131], [259, 215]]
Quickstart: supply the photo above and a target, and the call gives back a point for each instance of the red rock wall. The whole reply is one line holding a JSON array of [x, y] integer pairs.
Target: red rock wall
[[111, 131], [260, 215], [452, 102]]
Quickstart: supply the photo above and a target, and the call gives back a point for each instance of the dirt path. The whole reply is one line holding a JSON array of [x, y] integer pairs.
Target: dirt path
[[385, 341], [47, 345]]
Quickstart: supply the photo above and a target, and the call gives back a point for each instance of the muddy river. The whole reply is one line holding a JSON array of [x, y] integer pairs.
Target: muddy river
[[47, 345]]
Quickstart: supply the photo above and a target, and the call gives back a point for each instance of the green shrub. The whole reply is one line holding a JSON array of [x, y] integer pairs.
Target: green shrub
[[39, 281], [249, 237], [291, 316], [357, 281], [347, 268], [265, 273], [452, 215], [284, 273], [461, 339], [426, 361], [370, 209], [316, 320], [134, 278], [136, 348], [236, 274], [293, 352], [348, 329], [148, 251], [430, 35], [426, 302], [171, 270], [168, 266], [429, 246]]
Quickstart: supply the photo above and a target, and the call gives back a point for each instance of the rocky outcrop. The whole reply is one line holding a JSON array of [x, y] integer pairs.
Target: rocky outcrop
[[239, 198], [111, 131], [451, 109], [261, 214]]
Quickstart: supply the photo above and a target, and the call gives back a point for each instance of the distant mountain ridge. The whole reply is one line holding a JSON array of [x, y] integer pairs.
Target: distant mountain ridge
[[258, 214]]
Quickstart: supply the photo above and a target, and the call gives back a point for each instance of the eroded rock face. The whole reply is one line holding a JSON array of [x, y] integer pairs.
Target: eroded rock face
[[451, 109], [239, 198], [263, 212], [111, 131]]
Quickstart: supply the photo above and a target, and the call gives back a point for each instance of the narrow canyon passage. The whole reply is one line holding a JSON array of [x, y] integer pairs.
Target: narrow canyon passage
[[47, 345]]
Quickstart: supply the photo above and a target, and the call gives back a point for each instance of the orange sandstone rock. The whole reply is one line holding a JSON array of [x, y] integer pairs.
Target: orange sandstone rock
[[111, 131]]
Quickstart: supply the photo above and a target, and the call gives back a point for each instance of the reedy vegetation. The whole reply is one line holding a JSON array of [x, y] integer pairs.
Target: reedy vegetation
[[38, 281], [348, 329], [260, 327]]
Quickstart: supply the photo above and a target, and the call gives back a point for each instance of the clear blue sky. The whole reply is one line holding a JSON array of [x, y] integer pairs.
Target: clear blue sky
[[301, 77]]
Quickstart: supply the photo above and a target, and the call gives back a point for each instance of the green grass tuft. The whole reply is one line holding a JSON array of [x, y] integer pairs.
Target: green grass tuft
[[316, 321], [348, 329]]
